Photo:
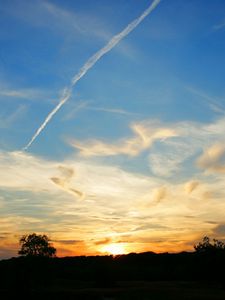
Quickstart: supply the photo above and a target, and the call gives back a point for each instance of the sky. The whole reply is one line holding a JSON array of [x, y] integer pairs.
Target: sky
[[112, 124]]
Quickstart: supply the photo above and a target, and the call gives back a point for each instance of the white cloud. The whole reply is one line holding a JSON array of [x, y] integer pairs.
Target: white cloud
[[169, 158], [191, 186], [145, 134], [25, 172], [213, 159], [115, 203], [22, 93]]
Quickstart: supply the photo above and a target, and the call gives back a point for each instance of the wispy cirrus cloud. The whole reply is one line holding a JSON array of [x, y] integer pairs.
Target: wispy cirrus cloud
[[72, 25], [89, 64], [169, 147], [219, 26], [24, 94], [86, 105], [20, 174], [112, 110], [162, 208], [8, 92], [8, 120], [56, 18], [79, 22], [144, 136], [23, 172], [170, 157], [74, 109], [212, 101], [105, 214]]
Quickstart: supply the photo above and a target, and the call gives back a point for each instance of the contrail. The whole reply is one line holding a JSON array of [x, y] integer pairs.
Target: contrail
[[90, 63]]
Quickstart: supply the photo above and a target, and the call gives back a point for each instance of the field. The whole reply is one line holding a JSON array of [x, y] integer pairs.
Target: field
[[138, 290], [145, 276]]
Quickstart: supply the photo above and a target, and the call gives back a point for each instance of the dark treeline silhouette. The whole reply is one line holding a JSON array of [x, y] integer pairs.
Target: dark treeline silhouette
[[36, 276]]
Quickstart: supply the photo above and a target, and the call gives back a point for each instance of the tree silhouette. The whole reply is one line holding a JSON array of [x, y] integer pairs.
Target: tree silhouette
[[36, 245], [206, 246]]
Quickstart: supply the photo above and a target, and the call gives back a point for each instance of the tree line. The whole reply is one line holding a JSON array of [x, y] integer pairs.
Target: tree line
[[33, 245], [38, 270]]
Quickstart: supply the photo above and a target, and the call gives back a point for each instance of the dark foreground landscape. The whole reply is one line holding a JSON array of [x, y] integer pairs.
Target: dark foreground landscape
[[134, 276]]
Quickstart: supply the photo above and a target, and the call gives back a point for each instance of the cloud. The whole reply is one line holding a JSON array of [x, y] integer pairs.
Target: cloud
[[214, 102], [76, 24], [144, 136], [27, 172], [219, 26], [213, 159], [117, 201], [67, 172], [172, 150], [155, 196], [64, 181], [103, 242], [64, 18], [61, 183], [178, 155], [22, 93], [71, 25], [14, 93], [74, 108], [89, 64], [191, 186], [85, 105], [46, 208], [57, 19], [159, 194], [67, 242], [8, 120], [168, 159], [219, 230], [23, 171], [111, 110]]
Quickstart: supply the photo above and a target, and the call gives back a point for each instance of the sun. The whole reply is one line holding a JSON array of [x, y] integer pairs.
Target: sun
[[114, 249]]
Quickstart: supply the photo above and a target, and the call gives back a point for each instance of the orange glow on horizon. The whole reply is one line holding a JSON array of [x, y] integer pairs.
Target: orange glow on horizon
[[114, 249]]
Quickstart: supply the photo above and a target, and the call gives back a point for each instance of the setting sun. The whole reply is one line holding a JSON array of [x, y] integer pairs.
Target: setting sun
[[114, 249]]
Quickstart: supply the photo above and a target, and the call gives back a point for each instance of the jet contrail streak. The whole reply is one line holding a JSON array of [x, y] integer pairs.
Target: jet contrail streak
[[89, 64]]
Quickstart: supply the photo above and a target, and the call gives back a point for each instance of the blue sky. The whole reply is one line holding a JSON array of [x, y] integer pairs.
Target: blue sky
[[138, 148]]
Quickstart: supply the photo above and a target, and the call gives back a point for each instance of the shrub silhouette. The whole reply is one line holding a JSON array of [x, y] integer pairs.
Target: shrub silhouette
[[36, 245], [207, 247]]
